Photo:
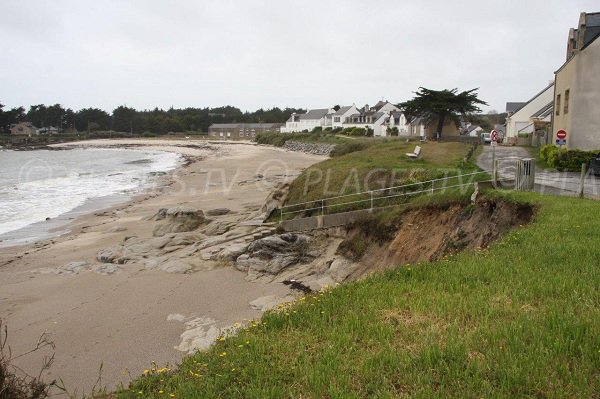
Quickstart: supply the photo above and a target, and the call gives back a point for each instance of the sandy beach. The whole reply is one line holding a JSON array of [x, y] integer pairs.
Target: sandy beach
[[129, 315]]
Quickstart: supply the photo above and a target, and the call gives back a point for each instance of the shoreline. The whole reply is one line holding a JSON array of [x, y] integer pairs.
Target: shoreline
[[134, 315], [60, 225]]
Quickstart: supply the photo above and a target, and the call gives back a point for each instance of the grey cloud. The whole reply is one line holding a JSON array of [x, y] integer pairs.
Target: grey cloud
[[265, 53]]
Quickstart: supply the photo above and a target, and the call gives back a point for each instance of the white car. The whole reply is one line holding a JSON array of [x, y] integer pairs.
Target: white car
[[486, 138]]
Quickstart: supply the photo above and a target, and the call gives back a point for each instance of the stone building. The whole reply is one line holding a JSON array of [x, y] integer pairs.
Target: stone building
[[577, 87], [241, 131]]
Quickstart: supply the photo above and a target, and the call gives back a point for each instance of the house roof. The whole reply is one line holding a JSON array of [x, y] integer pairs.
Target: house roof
[[244, 125], [343, 110], [314, 114], [379, 105], [473, 127], [544, 111], [500, 128], [514, 106]]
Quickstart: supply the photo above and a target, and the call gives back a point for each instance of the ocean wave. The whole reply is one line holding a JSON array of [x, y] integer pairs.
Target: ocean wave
[[34, 196]]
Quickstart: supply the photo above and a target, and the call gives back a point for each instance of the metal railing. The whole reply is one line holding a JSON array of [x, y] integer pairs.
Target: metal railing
[[322, 205]]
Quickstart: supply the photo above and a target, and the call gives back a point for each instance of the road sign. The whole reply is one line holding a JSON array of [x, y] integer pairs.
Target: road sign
[[561, 134], [494, 136], [561, 142]]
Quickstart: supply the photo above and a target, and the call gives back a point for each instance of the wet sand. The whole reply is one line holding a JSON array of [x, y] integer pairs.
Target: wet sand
[[120, 320]]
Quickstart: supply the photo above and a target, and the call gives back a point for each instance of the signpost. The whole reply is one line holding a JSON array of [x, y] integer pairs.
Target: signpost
[[494, 137], [561, 138]]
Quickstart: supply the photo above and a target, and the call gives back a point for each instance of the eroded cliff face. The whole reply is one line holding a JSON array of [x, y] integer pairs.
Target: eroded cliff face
[[326, 257]]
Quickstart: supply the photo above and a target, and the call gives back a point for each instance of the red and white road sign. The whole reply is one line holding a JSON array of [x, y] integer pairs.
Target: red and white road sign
[[561, 134], [494, 136]]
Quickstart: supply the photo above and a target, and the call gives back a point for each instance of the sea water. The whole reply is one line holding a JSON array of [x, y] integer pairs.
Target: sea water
[[41, 185]]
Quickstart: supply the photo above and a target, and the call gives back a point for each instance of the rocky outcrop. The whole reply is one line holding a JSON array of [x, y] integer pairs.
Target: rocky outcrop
[[218, 212], [177, 220], [310, 148], [269, 256]]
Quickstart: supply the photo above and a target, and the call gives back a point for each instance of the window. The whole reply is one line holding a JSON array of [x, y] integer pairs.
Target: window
[[336, 118], [567, 92], [557, 104]]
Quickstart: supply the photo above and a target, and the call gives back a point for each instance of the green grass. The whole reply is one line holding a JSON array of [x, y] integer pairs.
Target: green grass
[[383, 164], [534, 152], [520, 319]]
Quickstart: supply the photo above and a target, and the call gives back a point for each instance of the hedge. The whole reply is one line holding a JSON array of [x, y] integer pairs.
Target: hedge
[[565, 160]]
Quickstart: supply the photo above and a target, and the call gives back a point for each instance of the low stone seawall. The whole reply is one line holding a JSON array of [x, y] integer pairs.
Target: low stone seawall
[[309, 148], [325, 221]]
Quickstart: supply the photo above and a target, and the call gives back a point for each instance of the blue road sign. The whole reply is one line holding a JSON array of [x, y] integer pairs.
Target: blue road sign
[[561, 142]]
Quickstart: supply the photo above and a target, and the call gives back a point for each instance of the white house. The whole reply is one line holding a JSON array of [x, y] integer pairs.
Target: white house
[[520, 121], [474, 130], [417, 127], [308, 121], [376, 118], [342, 114], [397, 120]]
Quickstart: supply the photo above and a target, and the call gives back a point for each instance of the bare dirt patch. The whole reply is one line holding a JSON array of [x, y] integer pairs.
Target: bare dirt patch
[[430, 233]]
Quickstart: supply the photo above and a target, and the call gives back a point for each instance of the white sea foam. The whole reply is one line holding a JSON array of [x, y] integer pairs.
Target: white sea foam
[[36, 185]]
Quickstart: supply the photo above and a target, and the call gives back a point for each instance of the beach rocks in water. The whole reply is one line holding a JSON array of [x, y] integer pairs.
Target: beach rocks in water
[[270, 255], [218, 212], [179, 219]]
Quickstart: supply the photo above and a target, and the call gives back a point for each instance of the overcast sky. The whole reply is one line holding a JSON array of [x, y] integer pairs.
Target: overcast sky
[[255, 54]]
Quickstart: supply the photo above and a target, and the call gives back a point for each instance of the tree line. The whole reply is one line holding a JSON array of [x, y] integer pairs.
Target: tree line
[[127, 119]]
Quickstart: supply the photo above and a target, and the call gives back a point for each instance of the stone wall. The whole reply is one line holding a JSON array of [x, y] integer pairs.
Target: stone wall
[[309, 148]]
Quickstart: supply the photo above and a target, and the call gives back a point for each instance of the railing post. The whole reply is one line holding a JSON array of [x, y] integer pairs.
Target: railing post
[[495, 174], [281, 215], [432, 184], [371, 201], [582, 181], [322, 207]]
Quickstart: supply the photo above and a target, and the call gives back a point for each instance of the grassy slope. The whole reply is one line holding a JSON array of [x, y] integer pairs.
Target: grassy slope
[[520, 319], [372, 167]]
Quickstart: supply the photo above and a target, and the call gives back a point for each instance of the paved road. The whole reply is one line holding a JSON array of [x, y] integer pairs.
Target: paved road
[[566, 183]]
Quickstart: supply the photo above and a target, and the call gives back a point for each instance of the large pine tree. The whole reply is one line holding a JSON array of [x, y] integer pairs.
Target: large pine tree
[[440, 105]]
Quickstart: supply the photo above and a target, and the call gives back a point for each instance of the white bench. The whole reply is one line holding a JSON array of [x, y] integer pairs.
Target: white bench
[[415, 154]]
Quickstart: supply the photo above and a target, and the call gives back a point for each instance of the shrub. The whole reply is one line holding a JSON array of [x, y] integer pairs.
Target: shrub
[[16, 386], [317, 129], [275, 139], [347, 148], [358, 131], [353, 248], [546, 151], [565, 160], [571, 160]]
